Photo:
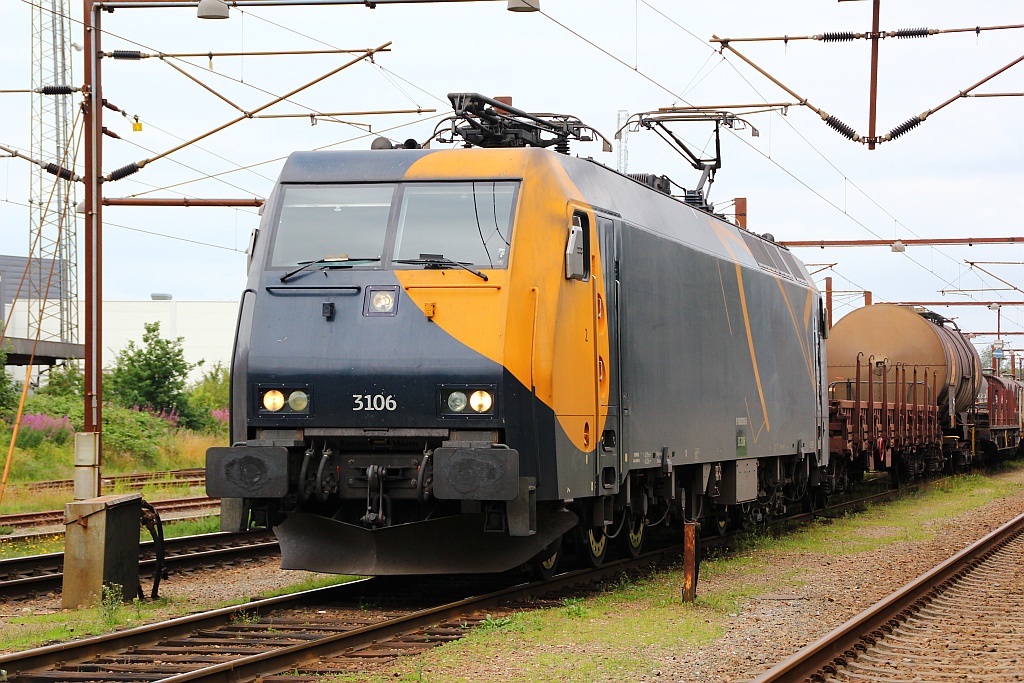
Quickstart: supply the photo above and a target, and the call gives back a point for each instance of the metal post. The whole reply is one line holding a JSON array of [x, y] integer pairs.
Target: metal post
[[857, 409], [690, 562], [741, 211], [828, 300], [88, 445], [873, 95], [871, 408]]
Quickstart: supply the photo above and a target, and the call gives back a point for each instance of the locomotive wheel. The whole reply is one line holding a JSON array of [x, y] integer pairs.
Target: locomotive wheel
[[632, 534], [545, 563], [743, 516], [593, 546], [720, 519]]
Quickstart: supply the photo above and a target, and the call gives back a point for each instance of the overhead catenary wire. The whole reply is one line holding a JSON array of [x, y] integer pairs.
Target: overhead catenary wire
[[136, 166], [845, 36], [751, 146], [128, 170], [844, 129], [648, 4], [164, 235]]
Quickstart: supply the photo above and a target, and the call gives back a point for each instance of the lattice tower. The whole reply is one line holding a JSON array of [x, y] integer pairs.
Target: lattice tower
[[52, 310], [622, 153]]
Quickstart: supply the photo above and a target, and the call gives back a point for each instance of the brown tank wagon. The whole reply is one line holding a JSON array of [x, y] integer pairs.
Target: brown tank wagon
[[904, 386]]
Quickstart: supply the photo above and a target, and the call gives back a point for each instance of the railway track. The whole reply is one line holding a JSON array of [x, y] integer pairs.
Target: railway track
[[24, 577], [194, 476], [963, 620], [27, 520], [328, 630]]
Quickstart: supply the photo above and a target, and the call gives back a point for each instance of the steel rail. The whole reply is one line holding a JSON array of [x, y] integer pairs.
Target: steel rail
[[288, 657], [36, 573], [28, 519], [844, 642], [190, 475]]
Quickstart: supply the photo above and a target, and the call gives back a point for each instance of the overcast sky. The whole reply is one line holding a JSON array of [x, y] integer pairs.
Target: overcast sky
[[959, 174]]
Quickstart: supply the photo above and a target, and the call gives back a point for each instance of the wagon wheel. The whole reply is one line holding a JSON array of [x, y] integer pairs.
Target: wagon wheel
[[816, 500], [632, 533], [592, 545]]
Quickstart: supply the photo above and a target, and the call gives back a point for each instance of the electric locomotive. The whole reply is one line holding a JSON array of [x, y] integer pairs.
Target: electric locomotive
[[448, 360]]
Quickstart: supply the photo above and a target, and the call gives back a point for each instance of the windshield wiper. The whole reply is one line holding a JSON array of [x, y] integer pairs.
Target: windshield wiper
[[439, 260], [341, 261]]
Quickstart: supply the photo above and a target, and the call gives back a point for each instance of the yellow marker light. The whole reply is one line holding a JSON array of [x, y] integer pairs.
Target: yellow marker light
[[480, 401], [457, 401], [298, 401], [382, 301], [273, 400]]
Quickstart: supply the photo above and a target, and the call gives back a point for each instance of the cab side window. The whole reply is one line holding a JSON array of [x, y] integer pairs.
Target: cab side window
[[577, 249]]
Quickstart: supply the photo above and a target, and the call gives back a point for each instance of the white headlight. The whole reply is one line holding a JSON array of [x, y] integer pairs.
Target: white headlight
[[457, 401], [298, 401], [480, 401], [382, 301]]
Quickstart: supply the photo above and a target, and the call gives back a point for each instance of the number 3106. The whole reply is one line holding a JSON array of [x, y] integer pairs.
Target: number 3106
[[374, 402]]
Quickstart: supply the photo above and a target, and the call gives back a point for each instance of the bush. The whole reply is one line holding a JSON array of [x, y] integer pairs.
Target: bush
[[213, 391], [8, 394], [65, 380], [152, 376], [39, 427]]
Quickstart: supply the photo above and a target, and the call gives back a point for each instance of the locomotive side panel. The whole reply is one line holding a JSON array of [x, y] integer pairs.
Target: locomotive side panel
[[716, 358]]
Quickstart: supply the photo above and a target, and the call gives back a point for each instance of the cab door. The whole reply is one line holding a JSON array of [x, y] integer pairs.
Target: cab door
[[606, 311]]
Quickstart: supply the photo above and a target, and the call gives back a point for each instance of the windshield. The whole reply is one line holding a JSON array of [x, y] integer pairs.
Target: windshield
[[466, 222], [331, 221], [354, 225]]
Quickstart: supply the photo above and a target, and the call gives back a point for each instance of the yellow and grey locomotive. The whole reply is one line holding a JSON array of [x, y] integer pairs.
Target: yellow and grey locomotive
[[447, 360]]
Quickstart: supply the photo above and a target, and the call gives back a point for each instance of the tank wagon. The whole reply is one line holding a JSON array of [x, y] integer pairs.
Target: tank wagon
[[450, 360], [903, 388]]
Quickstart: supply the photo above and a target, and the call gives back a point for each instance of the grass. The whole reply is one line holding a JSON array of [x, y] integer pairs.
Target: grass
[[623, 631], [186, 450]]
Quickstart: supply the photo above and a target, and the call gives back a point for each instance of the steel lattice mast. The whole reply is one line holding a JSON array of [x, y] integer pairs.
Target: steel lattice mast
[[53, 307]]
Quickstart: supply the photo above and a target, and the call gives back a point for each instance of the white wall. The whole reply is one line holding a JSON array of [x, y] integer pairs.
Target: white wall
[[208, 327]]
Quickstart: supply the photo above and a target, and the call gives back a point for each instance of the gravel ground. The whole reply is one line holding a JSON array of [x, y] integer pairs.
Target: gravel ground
[[764, 630]]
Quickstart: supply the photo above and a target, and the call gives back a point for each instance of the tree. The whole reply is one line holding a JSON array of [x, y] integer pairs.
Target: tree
[[151, 375], [8, 393], [213, 389], [65, 380]]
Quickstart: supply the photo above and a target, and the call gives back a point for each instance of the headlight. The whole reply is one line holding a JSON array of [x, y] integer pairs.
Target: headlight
[[457, 401], [480, 401], [382, 301], [467, 400], [273, 400], [284, 401], [298, 401]]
